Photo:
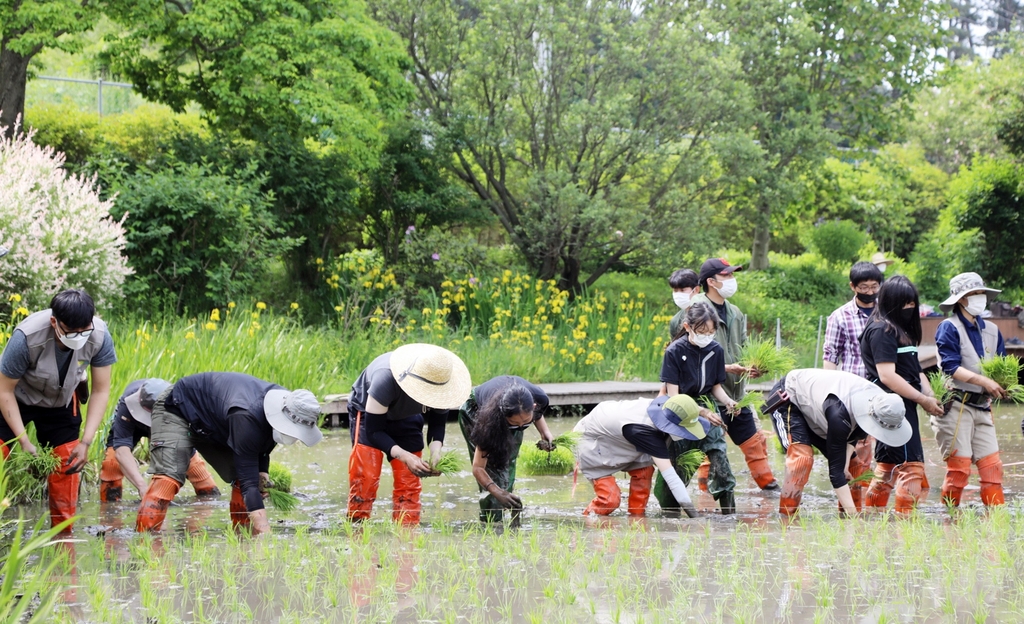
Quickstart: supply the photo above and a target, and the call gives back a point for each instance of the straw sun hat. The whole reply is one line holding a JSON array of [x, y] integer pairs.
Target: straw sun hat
[[431, 375]]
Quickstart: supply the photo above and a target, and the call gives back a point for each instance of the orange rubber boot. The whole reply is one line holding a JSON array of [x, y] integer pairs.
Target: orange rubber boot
[[755, 452], [200, 477], [878, 492], [799, 460], [5, 450], [63, 488], [860, 462], [111, 478], [239, 512], [990, 468], [908, 486], [153, 509], [958, 469], [702, 474], [608, 497], [405, 499], [640, 490], [363, 480]]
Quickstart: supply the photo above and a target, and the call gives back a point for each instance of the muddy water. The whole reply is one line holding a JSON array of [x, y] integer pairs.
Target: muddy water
[[557, 566]]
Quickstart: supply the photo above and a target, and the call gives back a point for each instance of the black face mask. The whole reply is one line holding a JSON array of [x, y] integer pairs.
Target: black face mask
[[907, 315], [867, 297]]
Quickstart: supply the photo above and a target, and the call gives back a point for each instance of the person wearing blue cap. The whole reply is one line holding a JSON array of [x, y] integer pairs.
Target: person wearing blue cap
[[634, 437]]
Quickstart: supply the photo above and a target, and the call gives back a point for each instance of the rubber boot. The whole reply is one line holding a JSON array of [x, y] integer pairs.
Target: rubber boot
[[878, 492], [153, 509], [111, 478], [702, 474], [727, 502], [860, 463], [405, 499], [63, 488], [799, 461], [990, 468], [908, 486], [364, 466], [239, 512], [607, 497], [756, 454], [640, 490], [958, 469], [200, 477]]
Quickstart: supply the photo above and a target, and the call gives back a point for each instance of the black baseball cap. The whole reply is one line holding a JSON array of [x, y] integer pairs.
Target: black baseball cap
[[714, 266]]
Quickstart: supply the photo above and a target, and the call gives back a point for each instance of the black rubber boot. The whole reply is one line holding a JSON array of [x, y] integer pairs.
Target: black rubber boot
[[727, 501]]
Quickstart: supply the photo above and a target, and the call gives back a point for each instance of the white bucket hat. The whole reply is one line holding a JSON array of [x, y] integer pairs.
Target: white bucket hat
[[140, 403], [879, 258], [962, 284], [431, 375], [294, 414], [881, 415]]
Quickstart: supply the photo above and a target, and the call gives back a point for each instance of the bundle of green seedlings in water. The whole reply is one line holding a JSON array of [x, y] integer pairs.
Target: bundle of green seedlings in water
[[770, 362], [942, 387], [448, 463], [533, 461], [1005, 371], [280, 489], [27, 474], [568, 440], [689, 462]]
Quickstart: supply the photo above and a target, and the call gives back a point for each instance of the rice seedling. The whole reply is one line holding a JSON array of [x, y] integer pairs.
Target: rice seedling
[[1005, 371], [707, 402], [689, 461], [281, 500], [279, 489], [533, 461], [942, 387], [568, 440], [27, 473], [280, 476], [448, 463], [751, 400], [765, 358]]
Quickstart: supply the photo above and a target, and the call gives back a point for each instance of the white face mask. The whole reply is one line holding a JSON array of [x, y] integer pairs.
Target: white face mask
[[976, 304], [72, 343], [282, 438], [728, 288], [882, 267], [701, 340], [682, 299]]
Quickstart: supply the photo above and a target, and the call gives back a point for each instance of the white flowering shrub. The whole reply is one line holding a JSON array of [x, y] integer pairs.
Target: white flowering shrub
[[59, 232]]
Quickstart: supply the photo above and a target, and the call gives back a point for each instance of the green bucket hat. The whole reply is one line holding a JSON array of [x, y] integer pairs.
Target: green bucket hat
[[678, 416]]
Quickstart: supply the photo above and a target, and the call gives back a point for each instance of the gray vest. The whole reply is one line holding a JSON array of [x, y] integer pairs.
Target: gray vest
[[40, 385], [809, 387], [968, 356], [603, 450]]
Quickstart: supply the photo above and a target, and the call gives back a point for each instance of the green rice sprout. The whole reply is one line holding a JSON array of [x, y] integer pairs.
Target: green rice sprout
[[27, 473], [942, 387], [769, 361], [1005, 371], [689, 461], [865, 477], [709, 403], [280, 488], [281, 500], [533, 461], [568, 440], [281, 477], [753, 400], [448, 463]]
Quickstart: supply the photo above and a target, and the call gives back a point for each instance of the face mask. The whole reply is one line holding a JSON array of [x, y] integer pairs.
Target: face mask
[[867, 297], [976, 304], [282, 438], [682, 299], [882, 267], [73, 343], [908, 314], [701, 340], [728, 288]]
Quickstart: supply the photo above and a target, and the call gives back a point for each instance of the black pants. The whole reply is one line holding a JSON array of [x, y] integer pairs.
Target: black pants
[[407, 432], [54, 425], [912, 451]]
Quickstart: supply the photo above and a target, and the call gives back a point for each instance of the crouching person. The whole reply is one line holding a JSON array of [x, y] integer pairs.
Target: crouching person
[[831, 411], [634, 437], [234, 421], [132, 421]]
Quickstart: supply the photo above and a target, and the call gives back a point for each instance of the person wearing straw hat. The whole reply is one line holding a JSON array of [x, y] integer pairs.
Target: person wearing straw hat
[[966, 432], [830, 411], [131, 422], [634, 437], [235, 421], [880, 261], [392, 399]]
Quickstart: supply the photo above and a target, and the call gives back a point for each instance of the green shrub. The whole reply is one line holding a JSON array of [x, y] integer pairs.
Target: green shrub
[[67, 129], [838, 241]]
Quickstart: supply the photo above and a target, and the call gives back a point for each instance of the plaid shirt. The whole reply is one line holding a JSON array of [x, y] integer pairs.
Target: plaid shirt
[[842, 334]]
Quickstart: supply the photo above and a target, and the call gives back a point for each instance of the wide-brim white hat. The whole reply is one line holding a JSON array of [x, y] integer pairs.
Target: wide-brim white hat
[[431, 375], [881, 415], [295, 414], [962, 284], [879, 258], [140, 403]]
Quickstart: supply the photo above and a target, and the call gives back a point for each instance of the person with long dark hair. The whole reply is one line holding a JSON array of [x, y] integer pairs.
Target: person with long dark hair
[[493, 420], [889, 351]]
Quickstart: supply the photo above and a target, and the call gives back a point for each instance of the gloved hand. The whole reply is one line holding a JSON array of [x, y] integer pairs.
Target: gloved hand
[[507, 499], [689, 510], [546, 445], [265, 483]]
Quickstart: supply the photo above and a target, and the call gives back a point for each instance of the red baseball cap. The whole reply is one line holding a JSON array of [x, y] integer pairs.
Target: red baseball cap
[[714, 266]]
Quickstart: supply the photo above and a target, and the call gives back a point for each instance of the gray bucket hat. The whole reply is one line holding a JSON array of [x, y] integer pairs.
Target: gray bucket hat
[[881, 415], [962, 284], [294, 413], [140, 403]]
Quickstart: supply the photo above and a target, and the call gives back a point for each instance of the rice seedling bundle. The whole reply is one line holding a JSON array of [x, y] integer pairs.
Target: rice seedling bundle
[[568, 440], [689, 461], [279, 492], [942, 387], [753, 400], [448, 463], [1005, 371], [533, 461], [769, 361], [281, 477], [865, 477], [281, 500], [709, 403], [27, 473]]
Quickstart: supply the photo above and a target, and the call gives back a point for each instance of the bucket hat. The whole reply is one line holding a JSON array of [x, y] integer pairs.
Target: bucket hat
[[431, 375], [879, 258], [881, 415], [678, 416], [960, 285], [140, 403], [294, 414]]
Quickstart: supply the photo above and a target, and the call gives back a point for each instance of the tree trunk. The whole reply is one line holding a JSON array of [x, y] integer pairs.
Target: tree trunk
[[570, 277], [762, 238], [13, 77]]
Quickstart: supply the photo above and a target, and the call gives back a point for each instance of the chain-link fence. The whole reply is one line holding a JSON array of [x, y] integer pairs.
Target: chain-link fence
[[102, 96]]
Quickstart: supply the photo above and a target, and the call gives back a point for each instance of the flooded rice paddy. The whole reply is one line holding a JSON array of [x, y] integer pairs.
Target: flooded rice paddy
[[557, 566]]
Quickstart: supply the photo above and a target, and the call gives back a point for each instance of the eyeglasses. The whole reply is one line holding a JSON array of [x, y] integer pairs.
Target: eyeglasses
[[867, 290], [520, 427], [85, 333]]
